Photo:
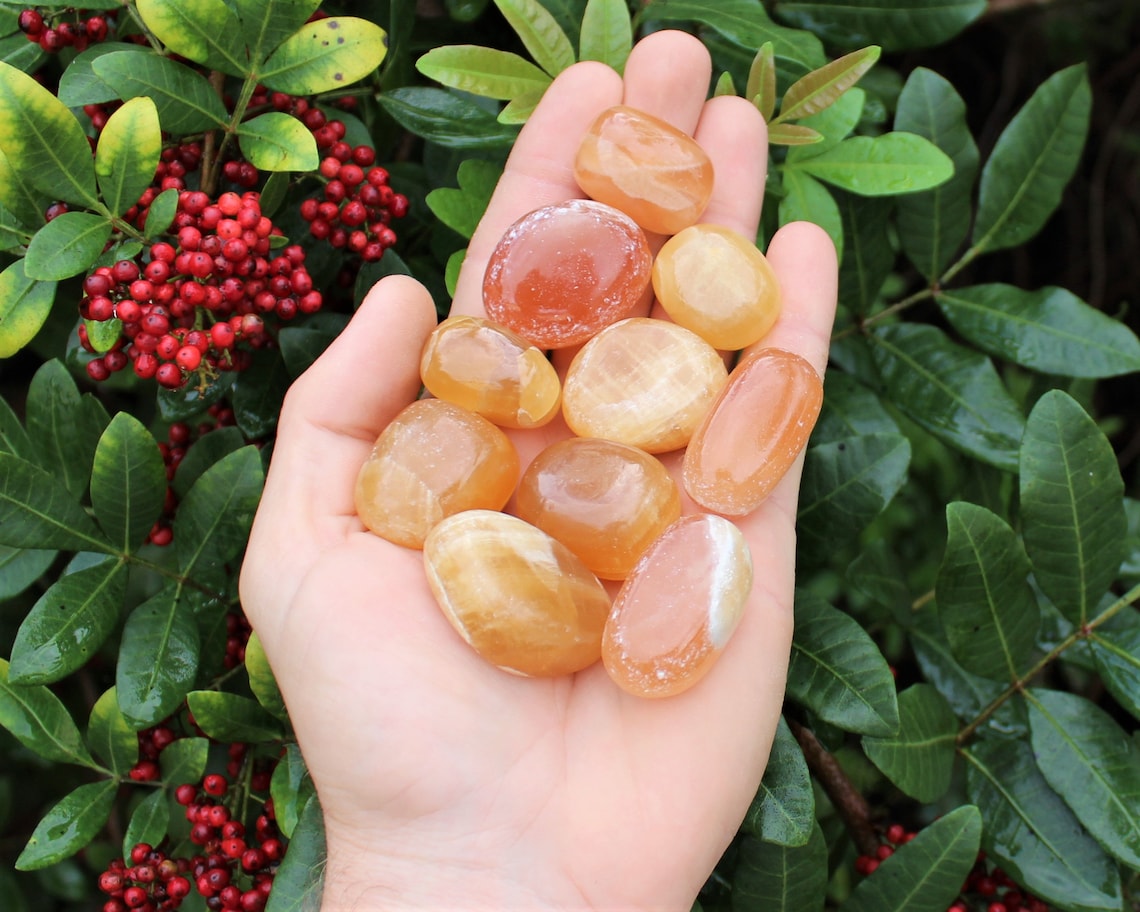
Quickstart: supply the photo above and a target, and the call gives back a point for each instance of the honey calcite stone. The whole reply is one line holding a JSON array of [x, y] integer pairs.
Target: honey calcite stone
[[753, 433], [643, 382], [645, 167], [676, 612], [561, 273], [605, 501], [715, 282], [521, 600], [491, 371], [433, 460]]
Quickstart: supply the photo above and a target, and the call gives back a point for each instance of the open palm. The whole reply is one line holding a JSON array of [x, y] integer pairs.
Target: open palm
[[449, 784]]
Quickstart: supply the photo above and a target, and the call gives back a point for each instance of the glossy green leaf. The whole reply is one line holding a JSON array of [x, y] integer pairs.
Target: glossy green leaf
[[229, 717], [128, 482], [783, 810], [1032, 161], [849, 410], [205, 31], [324, 55], [876, 573], [822, 87], [69, 826], [278, 142], [24, 307], [266, 23], [204, 452], [158, 658], [190, 401], [103, 334], [447, 119], [68, 623], [128, 153], [1071, 505], [298, 881], [834, 123], [484, 71], [109, 736], [461, 209], [451, 270], [933, 224], [39, 721], [761, 86], [806, 199], [213, 520], [21, 199], [1032, 834], [185, 101], [607, 33], [951, 391], [1116, 651], [185, 760], [291, 788], [518, 110], [257, 394], [148, 823], [779, 878], [895, 24], [66, 246], [886, 165], [838, 672], [868, 254], [985, 602], [36, 511], [13, 438], [20, 567], [261, 680], [925, 874], [79, 84], [786, 134], [43, 142], [920, 758], [540, 33], [64, 427], [1049, 330]]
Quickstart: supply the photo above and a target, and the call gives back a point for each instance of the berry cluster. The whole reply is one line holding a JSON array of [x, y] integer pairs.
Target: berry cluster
[[53, 35]]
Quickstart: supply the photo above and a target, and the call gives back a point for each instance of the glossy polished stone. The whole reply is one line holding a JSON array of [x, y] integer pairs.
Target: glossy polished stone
[[605, 501], [643, 382], [521, 600], [715, 282], [433, 460], [676, 612], [646, 168], [492, 371], [753, 433], [562, 272]]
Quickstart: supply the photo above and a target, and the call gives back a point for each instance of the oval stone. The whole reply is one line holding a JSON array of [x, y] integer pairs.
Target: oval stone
[[519, 598]]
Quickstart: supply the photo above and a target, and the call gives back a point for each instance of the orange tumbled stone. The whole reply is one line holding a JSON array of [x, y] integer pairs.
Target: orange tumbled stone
[[646, 383], [433, 460], [645, 167], [753, 433], [715, 282], [491, 371], [605, 501], [676, 612], [521, 599], [562, 272]]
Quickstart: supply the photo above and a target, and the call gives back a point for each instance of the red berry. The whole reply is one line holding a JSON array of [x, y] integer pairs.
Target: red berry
[[188, 357], [178, 887], [30, 22], [111, 881], [363, 156], [185, 794], [170, 376], [215, 785], [134, 897]]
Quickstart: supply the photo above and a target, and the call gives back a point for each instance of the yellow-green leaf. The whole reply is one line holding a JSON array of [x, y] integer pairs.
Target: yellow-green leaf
[[205, 31], [24, 306], [540, 33], [18, 196], [519, 109], [607, 33], [820, 88], [785, 134], [325, 55], [67, 245], [278, 142], [761, 88], [483, 71], [724, 85], [128, 153]]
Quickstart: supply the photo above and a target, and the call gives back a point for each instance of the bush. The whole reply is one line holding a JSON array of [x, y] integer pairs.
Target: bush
[[966, 668]]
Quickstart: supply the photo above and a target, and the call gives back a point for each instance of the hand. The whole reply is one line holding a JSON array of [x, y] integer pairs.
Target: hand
[[449, 784]]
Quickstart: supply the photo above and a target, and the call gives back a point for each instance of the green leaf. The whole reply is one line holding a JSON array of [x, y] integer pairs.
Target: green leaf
[[1071, 505], [109, 736], [607, 33], [482, 71], [868, 254], [1031, 833], [518, 110], [834, 123], [43, 142], [895, 24], [158, 658], [920, 758], [185, 101], [986, 604], [325, 55], [877, 575], [185, 760], [69, 826], [266, 23], [261, 681], [783, 811], [838, 672], [213, 520], [1050, 330], [229, 717], [38, 720], [69, 622], [886, 165], [1116, 651], [64, 427], [36, 511], [785, 134], [20, 567], [205, 31], [850, 410], [23, 201], [128, 154], [148, 823], [278, 142], [949, 390], [933, 224], [204, 452], [258, 392], [79, 85], [821, 88], [128, 482], [806, 199], [779, 878], [761, 86], [927, 873], [540, 33], [1033, 159], [24, 307], [66, 246], [291, 788], [190, 401], [462, 209], [103, 334], [449, 120], [451, 271]]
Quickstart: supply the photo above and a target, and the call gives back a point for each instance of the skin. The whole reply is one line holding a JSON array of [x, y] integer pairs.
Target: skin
[[446, 783]]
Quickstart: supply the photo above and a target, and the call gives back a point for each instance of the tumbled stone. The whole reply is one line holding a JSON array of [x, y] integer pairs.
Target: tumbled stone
[[519, 598], [605, 501], [434, 459], [562, 272], [643, 382], [753, 432], [717, 283], [674, 615], [645, 167], [492, 371]]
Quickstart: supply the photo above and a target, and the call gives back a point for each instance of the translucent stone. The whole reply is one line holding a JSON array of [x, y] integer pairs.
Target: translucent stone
[[646, 383], [491, 371], [433, 460], [677, 611], [753, 433], [716, 283], [561, 273], [605, 501], [645, 167], [522, 601]]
